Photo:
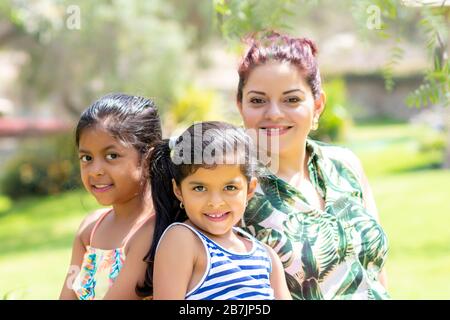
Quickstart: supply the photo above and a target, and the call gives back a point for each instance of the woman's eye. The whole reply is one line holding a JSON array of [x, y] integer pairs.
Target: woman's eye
[[85, 158], [230, 188], [111, 156], [199, 188], [257, 100], [293, 100]]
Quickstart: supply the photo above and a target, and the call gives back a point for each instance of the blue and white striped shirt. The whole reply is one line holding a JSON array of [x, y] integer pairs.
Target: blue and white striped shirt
[[230, 275]]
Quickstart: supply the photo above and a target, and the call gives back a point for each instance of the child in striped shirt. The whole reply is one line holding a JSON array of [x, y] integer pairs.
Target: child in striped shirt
[[202, 181]]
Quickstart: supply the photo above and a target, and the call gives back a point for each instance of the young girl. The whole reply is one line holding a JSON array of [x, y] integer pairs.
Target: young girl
[[114, 137], [203, 182]]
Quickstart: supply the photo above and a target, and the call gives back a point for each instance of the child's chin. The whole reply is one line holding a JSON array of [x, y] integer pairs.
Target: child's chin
[[104, 202]]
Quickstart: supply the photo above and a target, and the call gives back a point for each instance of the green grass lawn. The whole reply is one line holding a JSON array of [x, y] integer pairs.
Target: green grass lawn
[[36, 236], [412, 196]]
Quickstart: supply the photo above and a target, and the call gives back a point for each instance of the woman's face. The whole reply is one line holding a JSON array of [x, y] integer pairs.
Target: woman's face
[[279, 104]]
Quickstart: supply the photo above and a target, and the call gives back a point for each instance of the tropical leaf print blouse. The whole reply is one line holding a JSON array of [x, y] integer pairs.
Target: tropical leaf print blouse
[[336, 253]]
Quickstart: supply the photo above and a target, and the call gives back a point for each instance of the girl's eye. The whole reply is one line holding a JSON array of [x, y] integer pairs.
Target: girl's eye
[[256, 100], [111, 156], [199, 188], [230, 188], [85, 158]]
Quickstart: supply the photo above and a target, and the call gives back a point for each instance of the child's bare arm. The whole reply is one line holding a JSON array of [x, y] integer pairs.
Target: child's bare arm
[[78, 251], [277, 277], [174, 264]]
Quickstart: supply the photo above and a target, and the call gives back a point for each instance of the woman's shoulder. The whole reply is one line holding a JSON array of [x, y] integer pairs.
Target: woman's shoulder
[[344, 155]]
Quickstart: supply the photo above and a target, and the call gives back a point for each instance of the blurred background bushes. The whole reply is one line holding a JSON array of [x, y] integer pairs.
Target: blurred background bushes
[[42, 167]]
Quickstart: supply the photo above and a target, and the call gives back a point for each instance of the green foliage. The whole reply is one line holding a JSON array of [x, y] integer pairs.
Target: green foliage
[[42, 168], [396, 55], [434, 89], [120, 46], [237, 18], [190, 105], [397, 22], [436, 85], [432, 142], [335, 120], [5, 204]]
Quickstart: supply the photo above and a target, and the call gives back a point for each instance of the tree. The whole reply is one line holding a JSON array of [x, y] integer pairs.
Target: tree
[[391, 21], [79, 52]]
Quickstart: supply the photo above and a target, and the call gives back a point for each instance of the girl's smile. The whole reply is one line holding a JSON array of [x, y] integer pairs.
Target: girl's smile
[[217, 216], [215, 199], [101, 187], [110, 170]]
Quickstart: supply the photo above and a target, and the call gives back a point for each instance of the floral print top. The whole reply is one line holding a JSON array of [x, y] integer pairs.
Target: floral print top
[[336, 253]]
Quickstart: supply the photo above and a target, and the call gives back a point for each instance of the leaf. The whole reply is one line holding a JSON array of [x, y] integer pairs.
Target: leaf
[[309, 261], [351, 282], [258, 210]]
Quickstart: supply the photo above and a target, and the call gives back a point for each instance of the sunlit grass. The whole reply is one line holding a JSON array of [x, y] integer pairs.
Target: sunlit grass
[[412, 199], [36, 236], [414, 211]]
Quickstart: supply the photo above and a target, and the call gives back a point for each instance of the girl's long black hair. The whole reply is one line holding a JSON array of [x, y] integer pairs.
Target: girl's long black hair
[[214, 135], [128, 118]]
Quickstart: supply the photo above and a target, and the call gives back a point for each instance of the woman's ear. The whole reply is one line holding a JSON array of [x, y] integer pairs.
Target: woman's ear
[[177, 191], [319, 104], [239, 106], [251, 188]]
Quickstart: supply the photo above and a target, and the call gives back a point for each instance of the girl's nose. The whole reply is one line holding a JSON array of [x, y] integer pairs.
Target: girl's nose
[[215, 201], [97, 170]]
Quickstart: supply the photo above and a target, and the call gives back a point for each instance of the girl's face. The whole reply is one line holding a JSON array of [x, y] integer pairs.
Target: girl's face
[[215, 199], [110, 170], [279, 104]]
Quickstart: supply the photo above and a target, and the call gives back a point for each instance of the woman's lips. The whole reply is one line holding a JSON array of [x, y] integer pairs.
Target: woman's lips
[[275, 131]]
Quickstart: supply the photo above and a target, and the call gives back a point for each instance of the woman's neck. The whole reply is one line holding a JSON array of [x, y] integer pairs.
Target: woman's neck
[[292, 164]]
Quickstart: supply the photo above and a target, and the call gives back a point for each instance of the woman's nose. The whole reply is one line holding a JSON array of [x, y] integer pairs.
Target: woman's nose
[[273, 112]]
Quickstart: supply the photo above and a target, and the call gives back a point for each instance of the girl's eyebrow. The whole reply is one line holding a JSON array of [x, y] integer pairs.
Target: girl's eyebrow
[[196, 182], [233, 181], [104, 149], [111, 146]]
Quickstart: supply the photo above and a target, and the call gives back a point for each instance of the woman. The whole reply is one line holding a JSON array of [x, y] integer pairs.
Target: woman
[[317, 210]]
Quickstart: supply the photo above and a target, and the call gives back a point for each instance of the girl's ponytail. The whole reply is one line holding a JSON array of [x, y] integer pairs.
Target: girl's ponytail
[[166, 205]]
